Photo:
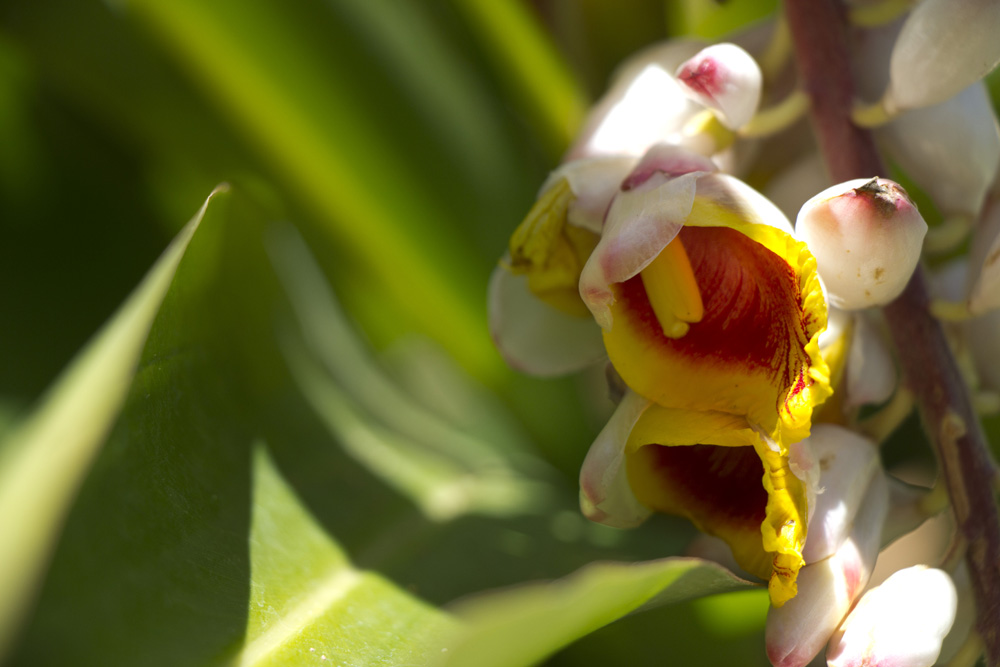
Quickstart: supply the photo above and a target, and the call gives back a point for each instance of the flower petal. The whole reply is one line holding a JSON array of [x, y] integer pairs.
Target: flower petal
[[718, 471], [534, 337], [593, 182], [796, 631], [644, 105], [605, 494], [755, 351], [640, 223]]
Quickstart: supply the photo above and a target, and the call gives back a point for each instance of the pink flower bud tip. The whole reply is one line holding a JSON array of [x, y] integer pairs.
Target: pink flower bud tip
[[866, 236], [726, 79]]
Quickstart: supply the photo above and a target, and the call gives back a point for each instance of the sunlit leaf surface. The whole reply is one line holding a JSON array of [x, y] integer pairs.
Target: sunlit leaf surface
[[524, 625], [309, 605], [43, 463]]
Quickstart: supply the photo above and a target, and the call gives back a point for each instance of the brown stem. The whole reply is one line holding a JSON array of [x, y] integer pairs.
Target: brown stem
[[819, 35]]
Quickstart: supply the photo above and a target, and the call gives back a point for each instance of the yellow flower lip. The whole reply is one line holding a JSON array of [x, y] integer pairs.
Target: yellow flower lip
[[719, 331], [718, 471]]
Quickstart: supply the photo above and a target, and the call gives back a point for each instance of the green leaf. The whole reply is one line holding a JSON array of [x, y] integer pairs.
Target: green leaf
[[445, 470], [536, 73], [308, 605], [45, 461], [312, 115], [524, 625]]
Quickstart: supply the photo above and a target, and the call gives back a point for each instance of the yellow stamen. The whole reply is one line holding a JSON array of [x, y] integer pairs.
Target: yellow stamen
[[673, 291]]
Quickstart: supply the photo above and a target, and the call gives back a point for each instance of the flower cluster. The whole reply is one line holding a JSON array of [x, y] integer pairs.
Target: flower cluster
[[742, 348]]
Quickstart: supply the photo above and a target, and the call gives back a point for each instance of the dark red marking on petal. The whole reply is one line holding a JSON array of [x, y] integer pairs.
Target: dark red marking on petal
[[702, 77], [715, 484], [753, 308]]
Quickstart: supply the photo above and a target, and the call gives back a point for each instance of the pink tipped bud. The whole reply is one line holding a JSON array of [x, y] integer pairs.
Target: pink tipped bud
[[900, 623], [944, 46], [726, 79], [796, 631], [866, 235]]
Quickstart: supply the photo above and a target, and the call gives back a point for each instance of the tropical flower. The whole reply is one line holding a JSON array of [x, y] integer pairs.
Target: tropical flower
[[711, 312]]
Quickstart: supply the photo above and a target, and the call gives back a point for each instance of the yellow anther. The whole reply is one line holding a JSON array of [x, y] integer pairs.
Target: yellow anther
[[673, 291]]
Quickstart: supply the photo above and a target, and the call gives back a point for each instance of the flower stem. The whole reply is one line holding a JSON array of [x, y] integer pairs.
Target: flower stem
[[819, 35]]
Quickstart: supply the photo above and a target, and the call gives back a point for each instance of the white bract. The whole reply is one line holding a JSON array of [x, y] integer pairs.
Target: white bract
[[951, 150], [944, 46], [902, 622]]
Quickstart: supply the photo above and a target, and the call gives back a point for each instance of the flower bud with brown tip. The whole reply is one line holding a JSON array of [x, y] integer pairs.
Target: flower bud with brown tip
[[866, 235]]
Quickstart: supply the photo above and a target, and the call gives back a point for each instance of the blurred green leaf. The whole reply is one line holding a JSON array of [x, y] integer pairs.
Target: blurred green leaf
[[45, 461], [445, 470], [308, 605], [260, 62], [711, 20], [537, 74], [524, 625]]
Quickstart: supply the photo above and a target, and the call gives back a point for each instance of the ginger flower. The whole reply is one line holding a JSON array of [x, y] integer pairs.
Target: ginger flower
[[711, 313]]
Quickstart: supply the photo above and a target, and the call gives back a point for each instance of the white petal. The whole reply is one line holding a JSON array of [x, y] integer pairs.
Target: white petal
[[535, 338], [796, 631], [593, 181], [750, 205], [640, 223], [870, 374], [984, 261], [902, 622], [848, 463], [605, 494], [944, 46], [951, 150], [866, 236], [726, 79], [644, 105]]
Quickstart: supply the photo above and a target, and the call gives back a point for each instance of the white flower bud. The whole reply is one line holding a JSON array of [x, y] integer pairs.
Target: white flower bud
[[944, 46], [726, 79], [902, 622], [796, 631], [951, 150], [866, 236], [643, 106]]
